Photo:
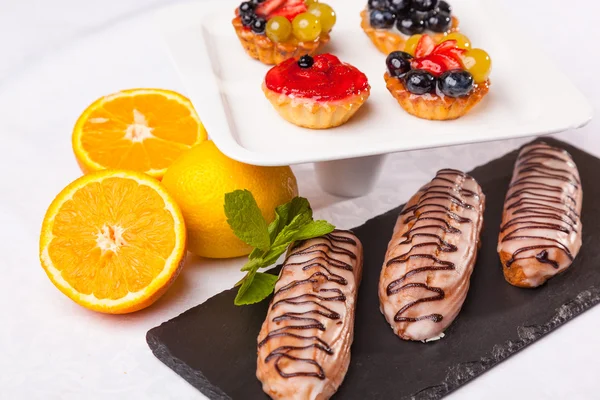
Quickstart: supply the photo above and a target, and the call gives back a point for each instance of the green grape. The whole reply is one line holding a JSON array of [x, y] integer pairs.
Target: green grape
[[325, 13], [462, 41], [411, 44], [279, 29], [306, 27], [310, 2], [478, 63]]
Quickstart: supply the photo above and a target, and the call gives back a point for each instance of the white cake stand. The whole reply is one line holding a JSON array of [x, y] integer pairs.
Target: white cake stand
[[224, 84]]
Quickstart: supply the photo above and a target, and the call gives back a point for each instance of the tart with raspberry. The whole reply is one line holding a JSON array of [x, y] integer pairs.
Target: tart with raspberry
[[390, 23], [316, 93], [441, 82], [273, 31]]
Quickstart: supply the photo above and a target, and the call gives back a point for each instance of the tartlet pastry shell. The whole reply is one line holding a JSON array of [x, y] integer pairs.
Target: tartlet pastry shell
[[433, 106], [261, 48], [314, 114], [387, 41]]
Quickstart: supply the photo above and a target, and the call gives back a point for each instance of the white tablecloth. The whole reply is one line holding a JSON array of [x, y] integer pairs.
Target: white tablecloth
[[57, 57]]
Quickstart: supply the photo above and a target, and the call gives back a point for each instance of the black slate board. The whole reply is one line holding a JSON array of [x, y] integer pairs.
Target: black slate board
[[213, 346]]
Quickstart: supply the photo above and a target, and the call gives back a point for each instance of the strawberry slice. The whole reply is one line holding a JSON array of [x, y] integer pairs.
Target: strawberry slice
[[266, 8], [432, 63], [289, 12], [284, 8], [436, 64], [444, 47], [456, 53], [449, 62], [425, 46], [289, 3]]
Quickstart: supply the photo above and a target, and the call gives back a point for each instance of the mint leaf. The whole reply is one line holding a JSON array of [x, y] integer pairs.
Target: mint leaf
[[253, 264], [256, 253], [293, 222], [245, 219], [273, 255], [308, 231], [314, 229], [286, 213], [288, 233], [281, 215], [256, 289]]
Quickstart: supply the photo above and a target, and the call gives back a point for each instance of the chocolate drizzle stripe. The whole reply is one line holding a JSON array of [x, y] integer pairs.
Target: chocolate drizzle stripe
[[420, 215], [539, 196], [331, 247], [542, 206], [536, 205], [519, 220], [321, 255]]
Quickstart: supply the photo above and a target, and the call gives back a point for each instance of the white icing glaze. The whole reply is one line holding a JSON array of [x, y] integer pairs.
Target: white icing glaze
[[317, 268], [425, 277], [541, 211]]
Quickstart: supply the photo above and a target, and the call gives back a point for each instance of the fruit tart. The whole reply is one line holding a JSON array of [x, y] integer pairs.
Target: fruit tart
[[272, 31], [390, 23], [438, 82], [316, 93]]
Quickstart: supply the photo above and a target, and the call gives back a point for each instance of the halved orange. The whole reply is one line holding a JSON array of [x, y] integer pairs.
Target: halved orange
[[113, 241], [143, 130]]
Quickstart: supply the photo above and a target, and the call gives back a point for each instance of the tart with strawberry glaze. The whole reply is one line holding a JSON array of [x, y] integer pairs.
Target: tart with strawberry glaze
[[390, 23], [316, 93], [273, 31], [441, 82]]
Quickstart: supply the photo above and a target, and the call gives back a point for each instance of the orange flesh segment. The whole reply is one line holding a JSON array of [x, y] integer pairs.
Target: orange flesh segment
[[117, 212], [142, 132]]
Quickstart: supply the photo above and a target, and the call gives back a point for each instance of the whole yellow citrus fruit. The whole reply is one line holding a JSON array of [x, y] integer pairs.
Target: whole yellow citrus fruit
[[199, 180]]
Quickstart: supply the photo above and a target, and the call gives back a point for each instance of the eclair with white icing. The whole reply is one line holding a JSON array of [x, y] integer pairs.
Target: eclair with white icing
[[304, 344], [541, 227], [427, 269]]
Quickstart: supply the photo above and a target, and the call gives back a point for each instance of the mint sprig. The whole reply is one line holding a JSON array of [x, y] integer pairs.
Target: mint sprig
[[293, 222]]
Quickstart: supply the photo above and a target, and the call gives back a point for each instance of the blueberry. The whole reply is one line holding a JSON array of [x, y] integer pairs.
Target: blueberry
[[381, 5], [425, 5], [382, 19], [439, 21], [406, 13], [444, 6], [247, 7], [259, 25], [248, 19], [411, 25], [398, 63], [420, 14], [418, 81], [306, 61], [399, 5], [258, 1], [456, 83]]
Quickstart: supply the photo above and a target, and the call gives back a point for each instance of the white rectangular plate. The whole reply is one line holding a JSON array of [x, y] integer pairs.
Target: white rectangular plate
[[528, 97]]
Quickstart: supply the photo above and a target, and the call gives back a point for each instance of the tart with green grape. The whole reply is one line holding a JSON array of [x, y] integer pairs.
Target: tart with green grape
[[390, 23], [438, 82], [273, 31], [319, 92]]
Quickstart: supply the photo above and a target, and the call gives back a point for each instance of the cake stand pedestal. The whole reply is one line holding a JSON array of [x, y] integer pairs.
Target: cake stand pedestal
[[353, 177]]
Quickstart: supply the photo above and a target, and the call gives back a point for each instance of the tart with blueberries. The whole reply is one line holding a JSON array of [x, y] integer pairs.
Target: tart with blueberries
[[273, 31], [390, 23], [316, 93], [439, 82]]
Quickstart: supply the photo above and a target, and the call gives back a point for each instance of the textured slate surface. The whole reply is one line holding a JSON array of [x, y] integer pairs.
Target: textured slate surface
[[213, 346]]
